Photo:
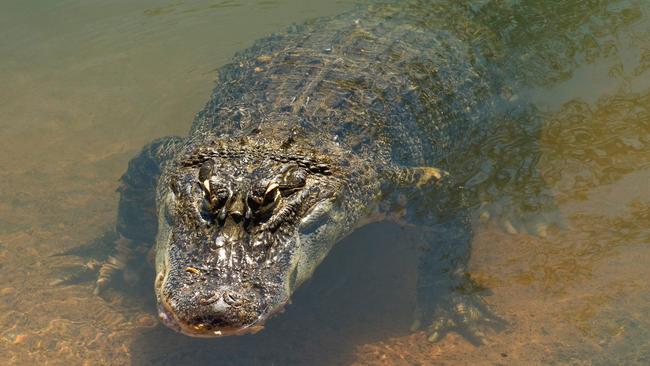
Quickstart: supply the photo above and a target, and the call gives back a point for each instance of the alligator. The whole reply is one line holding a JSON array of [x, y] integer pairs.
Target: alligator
[[381, 113]]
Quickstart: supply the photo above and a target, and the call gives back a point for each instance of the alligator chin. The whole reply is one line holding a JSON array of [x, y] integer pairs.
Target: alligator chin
[[202, 329]]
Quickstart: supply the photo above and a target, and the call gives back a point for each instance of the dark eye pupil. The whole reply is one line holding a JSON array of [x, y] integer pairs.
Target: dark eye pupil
[[269, 197], [254, 202], [219, 199], [261, 198]]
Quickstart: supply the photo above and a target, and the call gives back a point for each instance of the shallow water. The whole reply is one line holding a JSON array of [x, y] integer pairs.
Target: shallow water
[[86, 83]]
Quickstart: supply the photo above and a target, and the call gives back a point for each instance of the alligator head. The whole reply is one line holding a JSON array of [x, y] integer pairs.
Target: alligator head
[[239, 229]]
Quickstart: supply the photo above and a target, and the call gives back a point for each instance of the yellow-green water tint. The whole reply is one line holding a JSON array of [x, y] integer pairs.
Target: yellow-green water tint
[[84, 84]]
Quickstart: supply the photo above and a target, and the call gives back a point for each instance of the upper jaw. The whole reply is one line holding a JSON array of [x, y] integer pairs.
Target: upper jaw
[[201, 331], [170, 319]]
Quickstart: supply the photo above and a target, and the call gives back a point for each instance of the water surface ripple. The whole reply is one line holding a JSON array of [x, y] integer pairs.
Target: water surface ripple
[[85, 84]]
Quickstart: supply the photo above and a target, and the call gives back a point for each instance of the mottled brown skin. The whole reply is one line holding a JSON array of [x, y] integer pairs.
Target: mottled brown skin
[[308, 135]]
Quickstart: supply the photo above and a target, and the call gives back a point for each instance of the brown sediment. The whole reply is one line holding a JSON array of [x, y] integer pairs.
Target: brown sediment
[[580, 295], [7, 291]]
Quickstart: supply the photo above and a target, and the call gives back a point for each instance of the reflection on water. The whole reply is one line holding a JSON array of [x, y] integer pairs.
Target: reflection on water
[[85, 84]]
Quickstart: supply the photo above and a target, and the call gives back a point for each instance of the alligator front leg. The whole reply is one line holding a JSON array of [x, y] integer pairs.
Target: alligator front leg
[[447, 298], [137, 224]]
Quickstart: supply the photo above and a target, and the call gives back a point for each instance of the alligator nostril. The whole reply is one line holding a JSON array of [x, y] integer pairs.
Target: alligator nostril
[[231, 298], [209, 300]]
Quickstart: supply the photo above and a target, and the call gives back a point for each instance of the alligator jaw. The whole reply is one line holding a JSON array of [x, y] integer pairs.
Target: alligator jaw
[[199, 331], [168, 318]]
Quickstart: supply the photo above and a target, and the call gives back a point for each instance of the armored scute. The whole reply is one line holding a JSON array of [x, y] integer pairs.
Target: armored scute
[[308, 135]]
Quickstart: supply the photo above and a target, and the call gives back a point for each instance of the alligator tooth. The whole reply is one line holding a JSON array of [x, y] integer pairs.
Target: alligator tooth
[[192, 270]]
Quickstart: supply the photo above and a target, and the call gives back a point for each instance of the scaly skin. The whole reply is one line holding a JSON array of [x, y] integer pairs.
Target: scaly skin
[[307, 136]]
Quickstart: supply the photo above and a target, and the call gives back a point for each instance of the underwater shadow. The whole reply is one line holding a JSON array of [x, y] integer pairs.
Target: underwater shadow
[[363, 292]]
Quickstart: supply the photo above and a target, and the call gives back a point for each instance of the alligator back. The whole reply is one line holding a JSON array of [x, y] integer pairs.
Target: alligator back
[[384, 82]]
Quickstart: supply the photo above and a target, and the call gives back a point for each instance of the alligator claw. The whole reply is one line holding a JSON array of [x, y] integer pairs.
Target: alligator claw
[[538, 228], [516, 221], [78, 273], [508, 226], [103, 271], [113, 265], [439, 327], [466, 314]]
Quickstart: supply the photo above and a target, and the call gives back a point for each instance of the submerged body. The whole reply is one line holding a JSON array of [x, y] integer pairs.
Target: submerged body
[[307, 136]]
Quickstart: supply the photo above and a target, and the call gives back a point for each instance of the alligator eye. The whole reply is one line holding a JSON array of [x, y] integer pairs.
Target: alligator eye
[[265, 201], [205, 172], [213, 202], [219, 198], [293, 180], [216, 194]]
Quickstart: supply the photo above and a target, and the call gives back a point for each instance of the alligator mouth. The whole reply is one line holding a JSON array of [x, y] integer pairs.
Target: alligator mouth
[[201, 330], [202, 327], [169, 319]]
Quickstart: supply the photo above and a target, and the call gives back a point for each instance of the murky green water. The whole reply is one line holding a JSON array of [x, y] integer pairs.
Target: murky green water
[[84, 84]]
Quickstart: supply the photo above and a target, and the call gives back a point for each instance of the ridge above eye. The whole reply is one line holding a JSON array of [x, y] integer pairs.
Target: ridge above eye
[[206, 171], [293, 179]]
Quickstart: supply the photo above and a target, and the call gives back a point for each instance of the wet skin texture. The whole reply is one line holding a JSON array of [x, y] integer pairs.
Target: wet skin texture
[[308, 135]]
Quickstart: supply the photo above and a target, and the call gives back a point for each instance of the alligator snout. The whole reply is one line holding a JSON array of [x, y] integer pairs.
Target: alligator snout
[[213, 313], [229, 297]]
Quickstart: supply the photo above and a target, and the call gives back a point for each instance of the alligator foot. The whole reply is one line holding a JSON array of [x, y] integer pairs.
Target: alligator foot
[[426, 174], [115, 264], [103, 271], [77, 273], [514, 220], [464, 313]]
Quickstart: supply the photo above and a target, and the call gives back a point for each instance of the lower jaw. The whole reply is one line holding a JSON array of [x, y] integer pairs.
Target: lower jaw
[[222, 332], [199, 331]]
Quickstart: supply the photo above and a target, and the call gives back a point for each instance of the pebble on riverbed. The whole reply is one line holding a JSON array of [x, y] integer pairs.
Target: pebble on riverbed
[[146, 321], [20, 338]]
